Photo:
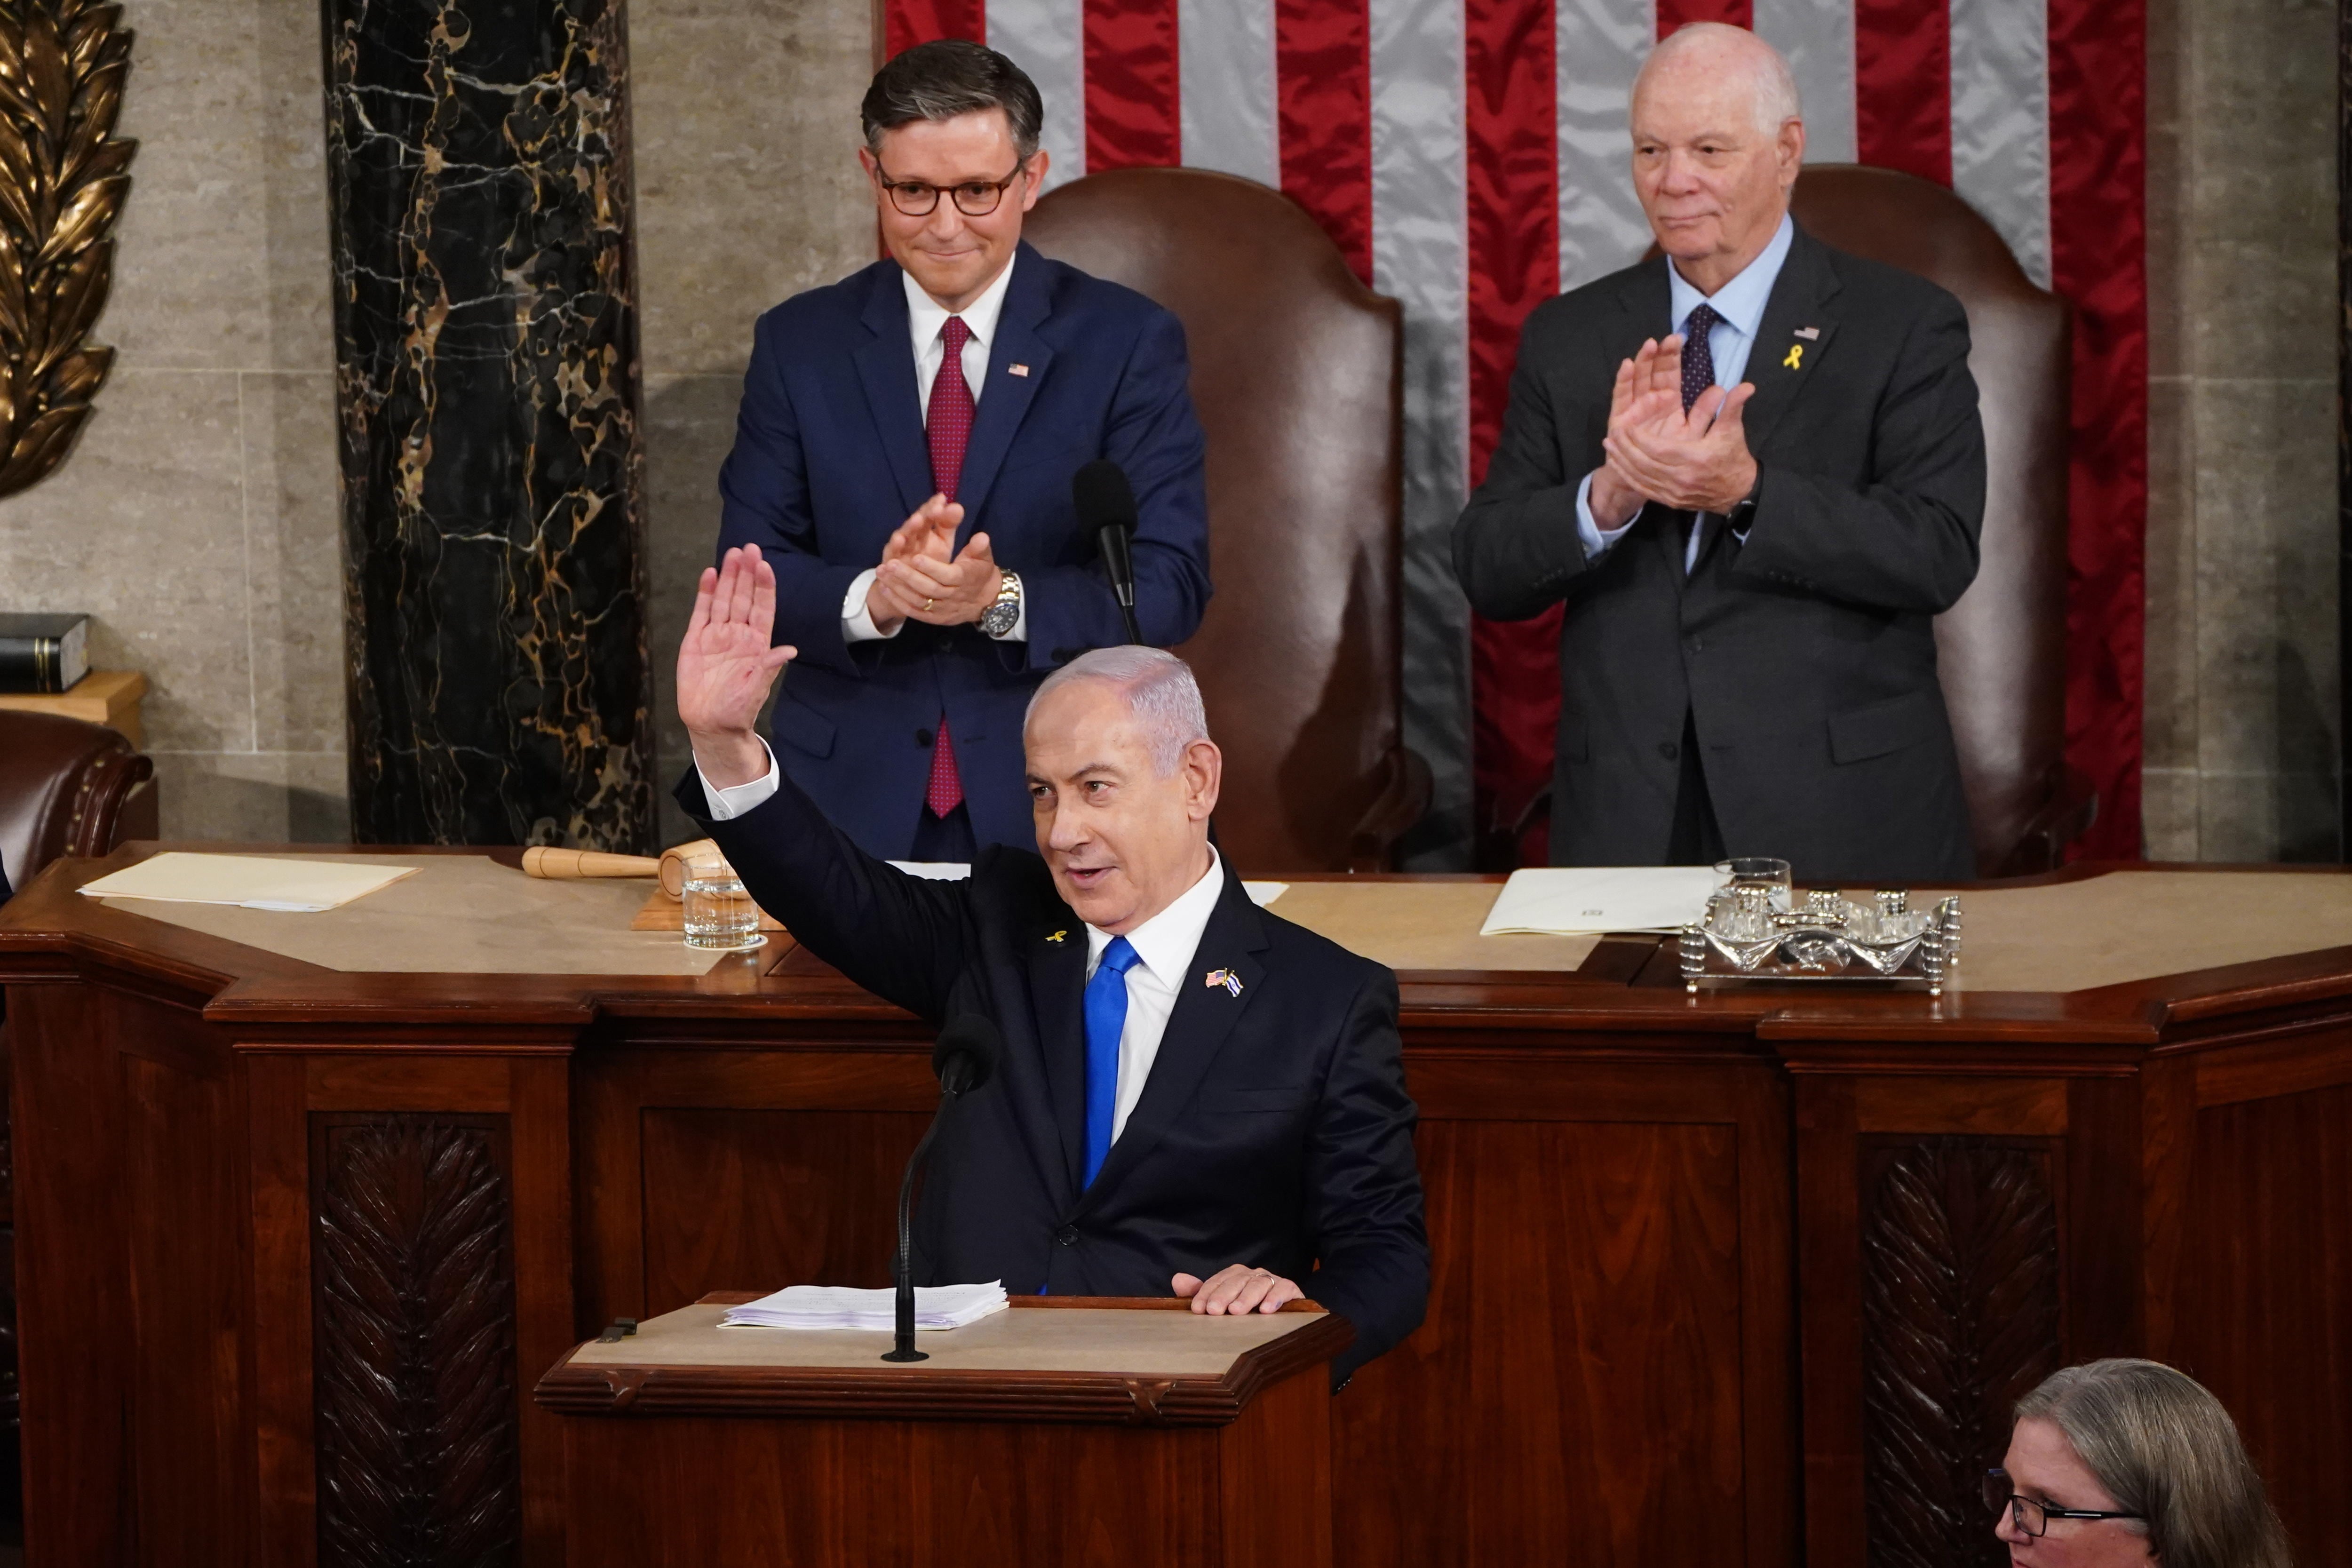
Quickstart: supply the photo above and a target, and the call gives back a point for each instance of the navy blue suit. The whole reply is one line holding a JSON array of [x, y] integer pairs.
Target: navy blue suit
[[830, 457], [1274, 1129]]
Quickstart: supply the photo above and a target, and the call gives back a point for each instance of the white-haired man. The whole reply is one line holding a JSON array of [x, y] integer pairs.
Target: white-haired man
[[1196, 1097], [1752, 471]]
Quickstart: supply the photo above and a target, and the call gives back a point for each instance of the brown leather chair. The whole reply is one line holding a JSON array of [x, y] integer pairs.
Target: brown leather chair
[[2001, 650], [1296, 374], [68, 788]]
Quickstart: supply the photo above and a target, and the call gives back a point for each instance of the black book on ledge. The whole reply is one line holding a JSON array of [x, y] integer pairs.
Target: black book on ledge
[[42, 654]]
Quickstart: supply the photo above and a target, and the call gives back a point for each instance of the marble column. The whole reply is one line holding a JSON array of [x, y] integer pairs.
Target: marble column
[[487, 384]]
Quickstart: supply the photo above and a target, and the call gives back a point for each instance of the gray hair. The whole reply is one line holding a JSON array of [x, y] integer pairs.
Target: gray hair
[[946, 78], [1160, 691], [2166, 1450], [1775, 85]]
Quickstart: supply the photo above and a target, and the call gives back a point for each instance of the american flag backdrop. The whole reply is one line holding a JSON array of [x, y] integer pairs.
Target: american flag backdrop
[[1470, 158]]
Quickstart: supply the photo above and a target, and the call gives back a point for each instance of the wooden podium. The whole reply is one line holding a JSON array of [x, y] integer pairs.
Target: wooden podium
[[1066, 1430]]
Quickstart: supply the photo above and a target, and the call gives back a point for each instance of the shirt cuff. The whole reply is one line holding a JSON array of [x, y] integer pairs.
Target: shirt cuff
[[856, 626], [1596, 539], [726, 805], [1019, 632]]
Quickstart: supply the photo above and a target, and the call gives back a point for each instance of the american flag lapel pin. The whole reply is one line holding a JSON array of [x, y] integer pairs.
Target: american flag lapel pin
[[1809, 333], [1224, 977], [1018, 369]]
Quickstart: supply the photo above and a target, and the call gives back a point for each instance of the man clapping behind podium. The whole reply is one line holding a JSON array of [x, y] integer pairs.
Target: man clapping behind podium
[[1195, 1095]]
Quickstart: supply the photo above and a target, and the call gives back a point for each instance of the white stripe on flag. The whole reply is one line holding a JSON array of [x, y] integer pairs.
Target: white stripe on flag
[[1817, 37], [2001, 121], [1599, 45], [1420, 254], [1047, 39], [1225, 71]]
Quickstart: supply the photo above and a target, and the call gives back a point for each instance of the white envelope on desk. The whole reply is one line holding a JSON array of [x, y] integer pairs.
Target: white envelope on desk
[[255, 881], [1578, 901]]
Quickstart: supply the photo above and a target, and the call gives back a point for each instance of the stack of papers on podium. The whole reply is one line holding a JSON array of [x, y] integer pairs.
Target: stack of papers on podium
[[835, 1307], [302, 887], [1581, 900]]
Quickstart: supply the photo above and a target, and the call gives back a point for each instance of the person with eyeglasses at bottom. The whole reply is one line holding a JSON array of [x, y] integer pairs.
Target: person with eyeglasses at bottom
[[903, 459], [2124, 1462]]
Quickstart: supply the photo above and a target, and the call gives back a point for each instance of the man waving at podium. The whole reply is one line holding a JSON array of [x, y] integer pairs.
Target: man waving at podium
[[1195, 1095]]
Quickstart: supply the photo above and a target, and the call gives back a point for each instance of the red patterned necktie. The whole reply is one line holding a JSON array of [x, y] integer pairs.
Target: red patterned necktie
[[947, 421]]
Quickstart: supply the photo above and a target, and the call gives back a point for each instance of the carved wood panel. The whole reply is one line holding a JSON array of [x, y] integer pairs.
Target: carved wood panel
[[413, 1322], [1960, 1317]]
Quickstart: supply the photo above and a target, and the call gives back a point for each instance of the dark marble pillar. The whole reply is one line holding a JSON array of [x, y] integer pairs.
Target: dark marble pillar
[[487, 339]]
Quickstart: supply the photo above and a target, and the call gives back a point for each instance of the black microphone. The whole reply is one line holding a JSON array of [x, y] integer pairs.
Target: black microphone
[[964, 1059], [1106, 504]]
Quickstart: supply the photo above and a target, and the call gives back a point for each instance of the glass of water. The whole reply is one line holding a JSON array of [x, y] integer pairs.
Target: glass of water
[[1759, 871], [719, 915]]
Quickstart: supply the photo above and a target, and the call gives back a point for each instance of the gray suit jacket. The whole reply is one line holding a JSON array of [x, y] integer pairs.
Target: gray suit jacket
[[1806, 655]]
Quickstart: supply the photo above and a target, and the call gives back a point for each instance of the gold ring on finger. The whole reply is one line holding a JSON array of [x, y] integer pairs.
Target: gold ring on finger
[[926, 606]]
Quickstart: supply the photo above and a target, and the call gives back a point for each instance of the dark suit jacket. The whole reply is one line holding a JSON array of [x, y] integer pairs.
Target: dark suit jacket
[[830, 457], [1274, 1129], [1807, 654]]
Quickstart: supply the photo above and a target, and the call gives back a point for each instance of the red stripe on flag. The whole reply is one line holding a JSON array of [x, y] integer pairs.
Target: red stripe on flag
[[1133, 115], [1323, 75], [2098, 251], [1510, 128], [906, 23], [1903, 87], [1677, 14]]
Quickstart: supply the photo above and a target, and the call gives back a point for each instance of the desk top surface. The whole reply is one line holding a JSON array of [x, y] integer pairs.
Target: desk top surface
[[2111, 951]]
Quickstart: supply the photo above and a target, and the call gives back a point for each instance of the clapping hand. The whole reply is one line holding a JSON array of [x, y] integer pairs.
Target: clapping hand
[[726, 667], [923, 577], [1693, 461]]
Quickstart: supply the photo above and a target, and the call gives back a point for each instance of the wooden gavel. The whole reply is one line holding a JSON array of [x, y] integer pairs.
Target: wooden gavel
[[581, 865]]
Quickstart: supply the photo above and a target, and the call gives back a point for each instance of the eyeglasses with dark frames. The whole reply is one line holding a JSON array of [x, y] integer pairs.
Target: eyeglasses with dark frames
[[2030, 1517], [974, 198]]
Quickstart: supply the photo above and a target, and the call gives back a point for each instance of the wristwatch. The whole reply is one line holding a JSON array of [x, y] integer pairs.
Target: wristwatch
[[1006, 613]]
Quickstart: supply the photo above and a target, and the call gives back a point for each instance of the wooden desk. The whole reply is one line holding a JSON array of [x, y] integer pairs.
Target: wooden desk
[[1066, 1430], [1699, 1260]]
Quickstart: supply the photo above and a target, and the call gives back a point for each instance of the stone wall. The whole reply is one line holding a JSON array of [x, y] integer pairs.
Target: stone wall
[[2242, 708], [197, 520]]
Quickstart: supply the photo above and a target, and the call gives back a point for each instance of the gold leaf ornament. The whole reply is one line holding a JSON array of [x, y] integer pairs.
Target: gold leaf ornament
[[62, 186]]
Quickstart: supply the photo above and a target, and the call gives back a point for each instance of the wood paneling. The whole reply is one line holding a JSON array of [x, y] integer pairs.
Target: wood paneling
[[2267, 1299], [1589, 1285], [417, 1403], [762, 1199], [1960, 1319]]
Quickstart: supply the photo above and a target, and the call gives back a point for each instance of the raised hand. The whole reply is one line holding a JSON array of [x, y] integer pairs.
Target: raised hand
[[726, 667]]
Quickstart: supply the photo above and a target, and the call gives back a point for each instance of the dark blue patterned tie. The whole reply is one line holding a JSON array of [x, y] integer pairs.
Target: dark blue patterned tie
[[1106, 1008], [1698, 374]]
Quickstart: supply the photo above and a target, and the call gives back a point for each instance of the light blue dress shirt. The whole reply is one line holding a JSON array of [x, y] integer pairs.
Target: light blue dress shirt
[[1740, 308]]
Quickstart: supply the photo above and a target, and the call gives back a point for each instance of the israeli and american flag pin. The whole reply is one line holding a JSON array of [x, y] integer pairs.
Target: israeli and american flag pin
[[1224, 977]]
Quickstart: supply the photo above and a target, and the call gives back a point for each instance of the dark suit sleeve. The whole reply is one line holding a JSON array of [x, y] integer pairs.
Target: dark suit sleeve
[[1366, 1184], [765, 495], [1908, 541], [1153, 434], [903, 937], [1515, 548]]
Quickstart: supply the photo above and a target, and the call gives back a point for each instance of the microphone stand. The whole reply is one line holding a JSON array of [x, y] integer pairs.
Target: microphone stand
[[1119, 561], [904, 1349]]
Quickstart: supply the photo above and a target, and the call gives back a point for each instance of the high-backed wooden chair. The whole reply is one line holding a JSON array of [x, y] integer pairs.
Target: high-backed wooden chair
[[2001, 650], [1296, 375], [68, 788]]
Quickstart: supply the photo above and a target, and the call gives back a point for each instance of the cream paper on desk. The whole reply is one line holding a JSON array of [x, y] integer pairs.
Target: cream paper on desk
[[1582, 900], [250, 881]]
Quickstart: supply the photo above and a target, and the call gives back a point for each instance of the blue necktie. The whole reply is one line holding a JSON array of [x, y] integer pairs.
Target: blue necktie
[[1106, 1018]]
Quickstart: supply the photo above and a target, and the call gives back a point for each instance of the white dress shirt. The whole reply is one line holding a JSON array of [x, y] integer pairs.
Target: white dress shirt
[[1739, 310], [927, 320], [1164, 947]]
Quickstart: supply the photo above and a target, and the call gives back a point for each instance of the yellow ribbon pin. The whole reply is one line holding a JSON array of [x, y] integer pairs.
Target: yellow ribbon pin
[[1058, 935], [1796, 358]]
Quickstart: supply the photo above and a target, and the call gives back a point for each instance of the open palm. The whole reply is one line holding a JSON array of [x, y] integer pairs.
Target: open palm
[[725, 665]]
